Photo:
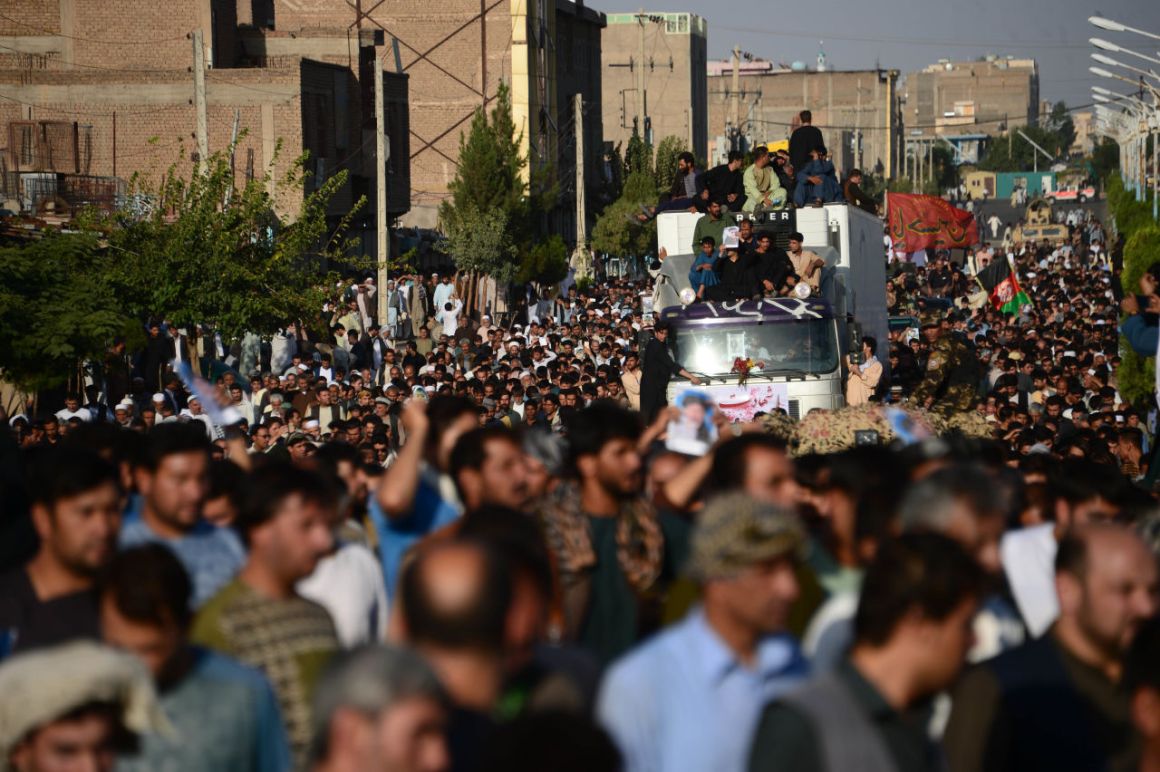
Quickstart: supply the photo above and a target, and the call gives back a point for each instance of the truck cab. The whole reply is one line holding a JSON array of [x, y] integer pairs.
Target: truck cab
[[801, 342], [794, 346]]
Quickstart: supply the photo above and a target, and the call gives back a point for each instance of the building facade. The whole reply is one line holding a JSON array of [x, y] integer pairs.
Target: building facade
[[979, 97], [654, 78], [98, 92], [858, 112]]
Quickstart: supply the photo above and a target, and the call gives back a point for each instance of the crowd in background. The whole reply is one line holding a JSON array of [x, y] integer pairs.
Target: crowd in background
[[433, 541]]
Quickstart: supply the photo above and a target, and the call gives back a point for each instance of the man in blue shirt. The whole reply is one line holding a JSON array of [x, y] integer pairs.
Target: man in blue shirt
[[416, 495], [226, 715], [690, 698], [173, 480]]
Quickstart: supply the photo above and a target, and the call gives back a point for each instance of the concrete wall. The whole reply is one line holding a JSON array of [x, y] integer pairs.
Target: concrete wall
[[675, 80], [1000, 92]]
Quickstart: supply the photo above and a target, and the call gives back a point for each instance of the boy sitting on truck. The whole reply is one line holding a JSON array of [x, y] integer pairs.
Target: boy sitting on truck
[[703, 273]]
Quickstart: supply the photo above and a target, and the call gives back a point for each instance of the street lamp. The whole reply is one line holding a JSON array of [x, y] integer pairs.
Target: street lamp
[[1108, 46], [1115, 26], [1103, 59]]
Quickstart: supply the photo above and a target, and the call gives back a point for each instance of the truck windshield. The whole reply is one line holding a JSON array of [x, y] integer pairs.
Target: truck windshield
[[807, 346]]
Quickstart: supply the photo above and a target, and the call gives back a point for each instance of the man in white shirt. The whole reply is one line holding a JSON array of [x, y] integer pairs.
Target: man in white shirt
[[72, 409], [443, 292], [448, 315], [864, 377]]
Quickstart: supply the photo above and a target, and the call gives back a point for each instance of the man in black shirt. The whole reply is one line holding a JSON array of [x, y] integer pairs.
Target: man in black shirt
[[774, 270], [852, 192], [657, 368], [725, 184], [76, 510], [737, 274], [804, 139]]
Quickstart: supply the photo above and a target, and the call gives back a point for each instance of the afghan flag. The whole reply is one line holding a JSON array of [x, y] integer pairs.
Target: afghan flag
[[1002, 287], [928, 222]]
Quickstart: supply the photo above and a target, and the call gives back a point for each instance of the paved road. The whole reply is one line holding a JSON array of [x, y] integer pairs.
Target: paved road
[[1012, 215]]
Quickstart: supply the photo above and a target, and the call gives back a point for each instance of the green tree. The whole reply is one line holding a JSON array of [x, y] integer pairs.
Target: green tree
[[617, 230], [481, 241], [1105, 158], [1059, 122], [1015, 154], [546, 263], [637, 156], [212, 253], [1135, 377], [665, 169], [611, 178], [490, 171], [57, 308]]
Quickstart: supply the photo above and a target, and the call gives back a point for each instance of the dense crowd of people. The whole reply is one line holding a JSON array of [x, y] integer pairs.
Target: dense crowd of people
[[453, 538]]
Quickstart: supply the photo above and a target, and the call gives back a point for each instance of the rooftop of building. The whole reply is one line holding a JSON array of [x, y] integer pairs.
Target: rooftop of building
[[674, 23]]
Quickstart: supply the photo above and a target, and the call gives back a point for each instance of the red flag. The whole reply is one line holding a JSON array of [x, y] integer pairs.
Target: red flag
[[928, 222]]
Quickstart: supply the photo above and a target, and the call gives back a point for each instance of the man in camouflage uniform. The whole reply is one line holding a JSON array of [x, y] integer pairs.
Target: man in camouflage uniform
[[949, 384]]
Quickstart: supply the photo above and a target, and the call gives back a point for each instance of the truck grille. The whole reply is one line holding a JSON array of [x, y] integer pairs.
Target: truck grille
[[795, 410]]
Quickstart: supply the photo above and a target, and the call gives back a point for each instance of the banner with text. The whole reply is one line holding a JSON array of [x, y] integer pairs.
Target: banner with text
[[928, 222]]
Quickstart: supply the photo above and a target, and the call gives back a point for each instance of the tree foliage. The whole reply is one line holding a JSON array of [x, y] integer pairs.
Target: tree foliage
[[1105, 158], [1135, 376], [617, 230], [665, 168], [206, 252], [215, 254], [492, 219], [57, 308], [1015, 154], [637, 156], [546, 263], [481, 240], [1060, 122]]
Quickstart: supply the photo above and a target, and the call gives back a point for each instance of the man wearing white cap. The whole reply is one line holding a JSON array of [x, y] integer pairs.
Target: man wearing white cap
[[69, 708]]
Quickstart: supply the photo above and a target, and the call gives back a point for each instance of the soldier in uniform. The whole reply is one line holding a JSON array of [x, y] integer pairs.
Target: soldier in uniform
[[949, 383]]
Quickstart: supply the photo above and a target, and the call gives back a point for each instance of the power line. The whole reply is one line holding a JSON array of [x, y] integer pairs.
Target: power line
[[814, 34]]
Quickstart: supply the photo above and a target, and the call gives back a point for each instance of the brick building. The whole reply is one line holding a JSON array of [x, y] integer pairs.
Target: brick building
[[673, 101], [93, 92], [858, 112]]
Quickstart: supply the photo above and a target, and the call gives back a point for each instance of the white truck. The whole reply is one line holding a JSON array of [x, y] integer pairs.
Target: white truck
[[802, 343]]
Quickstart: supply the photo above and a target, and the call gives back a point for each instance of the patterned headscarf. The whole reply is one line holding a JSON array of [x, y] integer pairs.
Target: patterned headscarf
[[639, 544]]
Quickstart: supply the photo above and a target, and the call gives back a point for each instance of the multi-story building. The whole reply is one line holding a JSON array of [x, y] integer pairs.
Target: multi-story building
[[93, 93], [654, 78], [857, 111], [980, 97]]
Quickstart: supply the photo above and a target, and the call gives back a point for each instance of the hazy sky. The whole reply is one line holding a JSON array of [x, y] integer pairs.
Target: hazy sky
[[910, 34]]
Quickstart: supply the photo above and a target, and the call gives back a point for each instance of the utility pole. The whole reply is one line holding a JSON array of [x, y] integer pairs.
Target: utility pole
[[857, 154], [199, 98], [581, 214], [482, 54], [640, 20], [233, 152], [736, 97], [381, 188], [930, 160]]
